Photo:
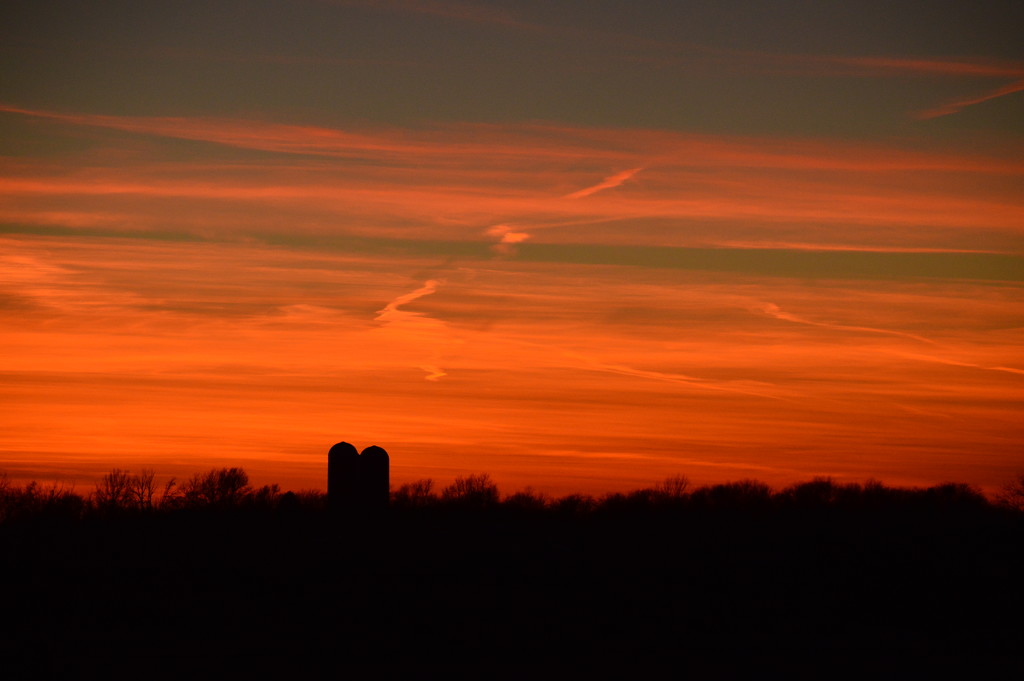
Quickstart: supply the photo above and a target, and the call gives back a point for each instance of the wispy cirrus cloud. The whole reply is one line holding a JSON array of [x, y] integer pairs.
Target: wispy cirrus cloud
[[460, 181], [459, 143]]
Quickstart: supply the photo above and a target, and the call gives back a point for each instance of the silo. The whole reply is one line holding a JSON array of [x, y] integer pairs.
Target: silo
[[375, 477], [343, 488]]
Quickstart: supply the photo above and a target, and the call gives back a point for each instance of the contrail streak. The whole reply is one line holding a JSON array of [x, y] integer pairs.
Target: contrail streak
[[954, 107], [607, 183], [430, 286], [955, 363], [764, 390], [416, 327], [773, 310]]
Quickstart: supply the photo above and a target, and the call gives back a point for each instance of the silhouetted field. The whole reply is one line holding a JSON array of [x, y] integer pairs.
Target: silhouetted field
[[228, 580]]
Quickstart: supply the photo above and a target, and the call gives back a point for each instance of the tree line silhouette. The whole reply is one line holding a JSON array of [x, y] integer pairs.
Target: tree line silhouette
[[215, 573], [121, 491]]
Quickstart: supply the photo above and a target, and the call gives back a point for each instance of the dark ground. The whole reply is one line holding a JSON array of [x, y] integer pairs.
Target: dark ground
[[262, 594]]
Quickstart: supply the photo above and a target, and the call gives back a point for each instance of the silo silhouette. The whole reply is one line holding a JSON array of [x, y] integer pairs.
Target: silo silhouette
[[343, 488], [375, 477]]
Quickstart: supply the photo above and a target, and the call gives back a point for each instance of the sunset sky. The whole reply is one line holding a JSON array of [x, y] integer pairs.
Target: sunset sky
[[579, 245]]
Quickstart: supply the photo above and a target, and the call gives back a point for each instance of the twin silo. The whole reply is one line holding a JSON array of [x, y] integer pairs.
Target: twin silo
[[358, 480]]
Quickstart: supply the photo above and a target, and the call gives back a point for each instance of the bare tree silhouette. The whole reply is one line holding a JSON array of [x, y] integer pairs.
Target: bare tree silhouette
[[36, 501], [1012, 494], [673, 488], [121, 490], [527, 500], [415, 494], [476, 491], [112, 490], [224, 487]]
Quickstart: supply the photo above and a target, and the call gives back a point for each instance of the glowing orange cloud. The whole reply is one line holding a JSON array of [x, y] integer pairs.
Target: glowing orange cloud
[[507, 235]]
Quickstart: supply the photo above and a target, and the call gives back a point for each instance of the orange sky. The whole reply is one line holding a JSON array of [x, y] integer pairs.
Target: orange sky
[[571, 297], [158, 327]]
